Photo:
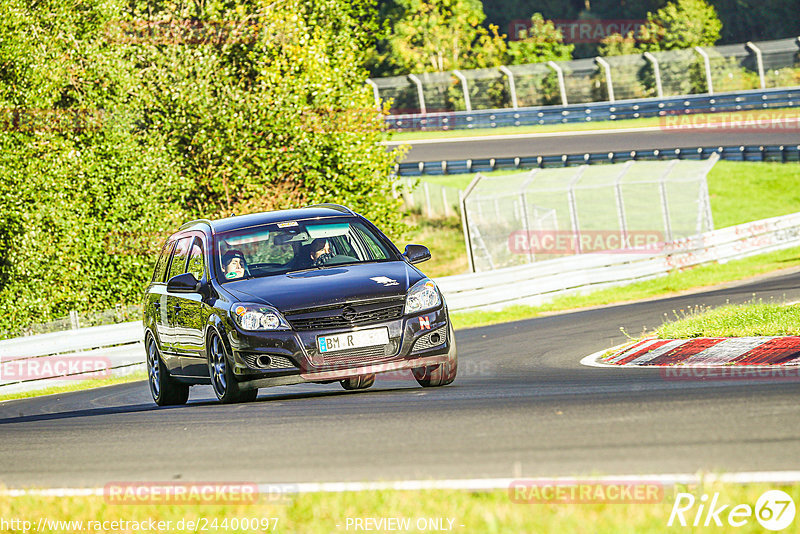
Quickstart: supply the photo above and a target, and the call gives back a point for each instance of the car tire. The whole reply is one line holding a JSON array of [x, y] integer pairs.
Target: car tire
[[358, 382], [224, 384], [442, 374], [164, 389]]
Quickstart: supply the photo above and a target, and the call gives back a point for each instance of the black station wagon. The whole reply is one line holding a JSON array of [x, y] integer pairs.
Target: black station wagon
[[316, 294]]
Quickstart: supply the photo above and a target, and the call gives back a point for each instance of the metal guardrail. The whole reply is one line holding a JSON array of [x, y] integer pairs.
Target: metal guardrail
[[44, 360], [598, 111], [531, 284], [776, 153], [539, 282]]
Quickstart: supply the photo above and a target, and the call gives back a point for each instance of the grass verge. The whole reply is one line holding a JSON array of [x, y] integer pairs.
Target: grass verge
[[700, 118], [78, 385], [756, 318], [426, 511], [664, 286]]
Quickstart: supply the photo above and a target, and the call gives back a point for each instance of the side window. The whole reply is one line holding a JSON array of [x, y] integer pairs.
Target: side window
[[376, 249], [179, 257], [161, 264], [196, 265]]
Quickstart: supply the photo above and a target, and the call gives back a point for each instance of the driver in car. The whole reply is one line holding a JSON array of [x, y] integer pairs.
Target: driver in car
[[233, 264], [320, 252]]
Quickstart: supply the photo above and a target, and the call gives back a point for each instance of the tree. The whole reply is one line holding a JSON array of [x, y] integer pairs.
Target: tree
[[441, 35], [542, 42], [681, 24]]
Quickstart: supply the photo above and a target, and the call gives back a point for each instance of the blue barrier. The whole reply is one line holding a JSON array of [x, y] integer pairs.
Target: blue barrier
[[598, 111], [776, 153]]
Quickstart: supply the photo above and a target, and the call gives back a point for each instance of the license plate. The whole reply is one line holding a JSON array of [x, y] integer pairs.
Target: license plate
[[354, 340]]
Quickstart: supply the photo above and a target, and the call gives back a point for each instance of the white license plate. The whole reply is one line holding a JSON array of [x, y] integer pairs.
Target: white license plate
[[353, 340]]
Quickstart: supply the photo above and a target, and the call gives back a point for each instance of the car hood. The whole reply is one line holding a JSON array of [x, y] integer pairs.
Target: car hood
[[331, 285]]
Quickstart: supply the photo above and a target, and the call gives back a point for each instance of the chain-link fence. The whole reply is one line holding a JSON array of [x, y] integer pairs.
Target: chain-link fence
[[638, 206], [79, 319], [715, 69], [432, 200]]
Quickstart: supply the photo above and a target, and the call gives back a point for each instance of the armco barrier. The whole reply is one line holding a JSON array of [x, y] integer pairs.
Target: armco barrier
[[528, 284], [776, 153], [597, 111], [539, 282], [118, 348]]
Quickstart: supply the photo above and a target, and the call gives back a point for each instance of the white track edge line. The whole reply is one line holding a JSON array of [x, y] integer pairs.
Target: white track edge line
[[750, 477]]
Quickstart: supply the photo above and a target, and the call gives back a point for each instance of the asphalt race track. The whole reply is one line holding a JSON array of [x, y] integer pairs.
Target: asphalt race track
[[578, 143], [522, 405]]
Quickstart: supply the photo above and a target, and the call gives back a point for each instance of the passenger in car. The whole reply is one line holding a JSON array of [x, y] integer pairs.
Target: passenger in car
[[234, 264]]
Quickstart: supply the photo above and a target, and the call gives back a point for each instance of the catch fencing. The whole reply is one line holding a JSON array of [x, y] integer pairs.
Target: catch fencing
[[455, 99]]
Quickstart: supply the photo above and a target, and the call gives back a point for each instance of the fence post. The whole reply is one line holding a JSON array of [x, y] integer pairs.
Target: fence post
[[759, 62], [707, 63], [427, 191], [465, 221], [573, 208], [662, 187], [607, 68], [464, 88], [656, 72], [375, 93], [74, 320], [420, 93], [553, 65], [512, 85], [623, 222]]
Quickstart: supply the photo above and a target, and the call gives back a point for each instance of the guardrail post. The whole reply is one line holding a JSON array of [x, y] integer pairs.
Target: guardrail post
[[573, 207], [759, 62], [465, 220], [464, 88], [707, 63], [560, 73], [656, 72], [420, 93], [607, 68], [375, 93], [74, 319], [512, 85]]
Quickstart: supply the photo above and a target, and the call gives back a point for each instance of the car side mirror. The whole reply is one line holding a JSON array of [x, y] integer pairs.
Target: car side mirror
[[183, 283], [417, 253]]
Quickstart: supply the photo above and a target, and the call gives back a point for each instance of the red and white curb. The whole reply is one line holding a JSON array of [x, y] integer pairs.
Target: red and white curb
[[766, 351]]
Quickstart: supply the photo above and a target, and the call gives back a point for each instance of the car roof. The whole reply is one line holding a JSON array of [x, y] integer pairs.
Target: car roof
[[319, 211]]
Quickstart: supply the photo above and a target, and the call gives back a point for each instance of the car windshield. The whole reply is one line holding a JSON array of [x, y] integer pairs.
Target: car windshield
[[288, 246]]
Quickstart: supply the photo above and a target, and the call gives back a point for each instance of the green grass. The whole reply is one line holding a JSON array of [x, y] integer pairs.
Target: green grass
[[485, 512], [671, 284], [444, 238], [78, 385], [548, 128], [755, 318]]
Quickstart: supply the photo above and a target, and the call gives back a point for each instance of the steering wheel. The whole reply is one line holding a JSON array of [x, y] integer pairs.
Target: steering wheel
[[323, 259]]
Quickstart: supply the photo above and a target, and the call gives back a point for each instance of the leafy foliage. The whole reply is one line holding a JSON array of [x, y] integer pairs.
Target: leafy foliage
[[125, 119]]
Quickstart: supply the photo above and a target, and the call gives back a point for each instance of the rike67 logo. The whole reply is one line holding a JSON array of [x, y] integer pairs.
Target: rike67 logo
[[774, 510]]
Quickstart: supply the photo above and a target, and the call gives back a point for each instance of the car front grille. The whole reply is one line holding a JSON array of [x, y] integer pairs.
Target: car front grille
[[277, 362], [344, 316]]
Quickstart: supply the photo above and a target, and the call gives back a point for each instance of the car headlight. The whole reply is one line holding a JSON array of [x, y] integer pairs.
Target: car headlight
[[257, 317], [424, 295]]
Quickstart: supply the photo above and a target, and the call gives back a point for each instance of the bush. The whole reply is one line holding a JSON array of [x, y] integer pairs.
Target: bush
[[128, 118]]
